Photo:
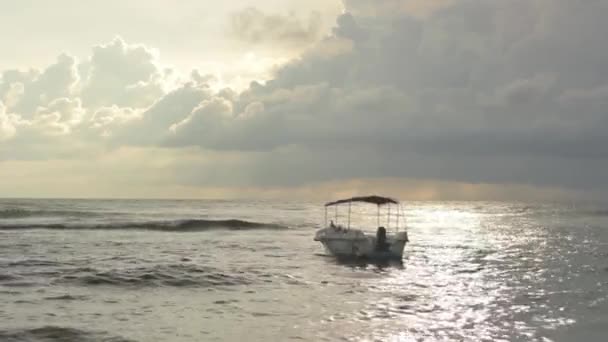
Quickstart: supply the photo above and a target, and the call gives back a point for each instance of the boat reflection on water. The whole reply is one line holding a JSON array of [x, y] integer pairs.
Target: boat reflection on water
[[365, 262], [370, 262]]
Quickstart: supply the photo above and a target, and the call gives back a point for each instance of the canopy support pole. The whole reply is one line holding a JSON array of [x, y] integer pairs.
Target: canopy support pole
[[398, 214], [325, 218], [349, 208], [336, 216], [378, 215], [388, 219]]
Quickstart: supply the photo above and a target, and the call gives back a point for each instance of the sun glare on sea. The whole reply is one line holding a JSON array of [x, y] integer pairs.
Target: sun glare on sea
[[447, 247]]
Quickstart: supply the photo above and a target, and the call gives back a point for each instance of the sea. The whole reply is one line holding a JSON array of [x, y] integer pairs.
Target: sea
[[249, 270]]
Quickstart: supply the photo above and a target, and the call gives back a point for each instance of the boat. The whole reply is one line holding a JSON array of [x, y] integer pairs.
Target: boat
[[348, 242]]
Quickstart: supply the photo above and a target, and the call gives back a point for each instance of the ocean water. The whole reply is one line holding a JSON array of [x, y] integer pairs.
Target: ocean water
[[143, 270]]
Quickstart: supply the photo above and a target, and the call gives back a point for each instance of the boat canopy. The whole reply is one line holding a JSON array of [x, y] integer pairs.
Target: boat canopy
[[378, 200]]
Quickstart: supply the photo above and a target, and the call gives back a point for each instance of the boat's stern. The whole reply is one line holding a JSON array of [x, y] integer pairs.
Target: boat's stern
[[397, 243]]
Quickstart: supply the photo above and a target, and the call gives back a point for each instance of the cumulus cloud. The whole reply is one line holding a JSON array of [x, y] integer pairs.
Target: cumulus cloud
[[89, 99], [461, 90], [7, 124], [122, 74], [25, 91], [59, 117], [153, 125]]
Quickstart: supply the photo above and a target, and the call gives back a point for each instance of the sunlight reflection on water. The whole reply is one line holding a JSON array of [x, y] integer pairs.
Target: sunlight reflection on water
[[458, 282]]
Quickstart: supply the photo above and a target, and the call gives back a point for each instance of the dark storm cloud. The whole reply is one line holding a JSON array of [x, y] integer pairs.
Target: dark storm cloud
[[515, 89]]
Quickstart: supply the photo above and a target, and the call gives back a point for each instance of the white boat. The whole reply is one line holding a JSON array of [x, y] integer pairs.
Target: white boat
[[345, 241]]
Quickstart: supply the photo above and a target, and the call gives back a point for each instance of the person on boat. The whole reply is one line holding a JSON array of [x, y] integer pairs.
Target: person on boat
[[338, 227], [381, 244]]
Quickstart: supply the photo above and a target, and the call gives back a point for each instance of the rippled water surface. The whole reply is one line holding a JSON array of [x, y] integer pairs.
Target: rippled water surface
[[239, 270]]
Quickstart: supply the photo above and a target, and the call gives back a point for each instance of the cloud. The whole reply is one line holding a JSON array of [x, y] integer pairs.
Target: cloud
[[25, 91], [455, 85], [153, 125], [205, 120], [7, 124], [384, 8], [256, 27], [123, 75], [59, 117], [461, 91]]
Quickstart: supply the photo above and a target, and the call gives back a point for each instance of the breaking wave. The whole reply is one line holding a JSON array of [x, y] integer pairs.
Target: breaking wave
[[194, 225], [54, 333]]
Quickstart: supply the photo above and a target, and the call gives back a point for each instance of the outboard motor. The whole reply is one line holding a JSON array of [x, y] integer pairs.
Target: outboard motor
[[381, 245]]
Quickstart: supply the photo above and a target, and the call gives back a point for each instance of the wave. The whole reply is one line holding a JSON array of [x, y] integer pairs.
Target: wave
[[8, 277], [20, 213], [144, 275], [174, 275], [194, 225], [598, 212], [54, 333], [66, 297]]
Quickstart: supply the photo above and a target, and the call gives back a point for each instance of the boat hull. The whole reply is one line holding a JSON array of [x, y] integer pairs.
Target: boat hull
[[354, 243]]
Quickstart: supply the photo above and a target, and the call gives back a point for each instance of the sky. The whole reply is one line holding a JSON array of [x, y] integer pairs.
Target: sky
[[418, 99]]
